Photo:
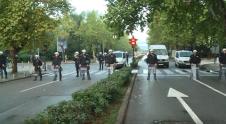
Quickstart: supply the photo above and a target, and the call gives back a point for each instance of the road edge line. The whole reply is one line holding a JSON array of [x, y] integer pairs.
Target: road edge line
[[215, 90]]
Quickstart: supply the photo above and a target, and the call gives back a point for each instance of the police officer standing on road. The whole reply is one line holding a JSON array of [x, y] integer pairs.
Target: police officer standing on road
[[152, 63], [3, 63], [110, 60], [85, 63], [56, 63], [37, 63], [76, 59], [127, 58], [222, 60], [195, 61], [101, 61]]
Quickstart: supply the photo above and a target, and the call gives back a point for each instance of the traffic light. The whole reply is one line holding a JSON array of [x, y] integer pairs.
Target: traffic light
[[133, 41]]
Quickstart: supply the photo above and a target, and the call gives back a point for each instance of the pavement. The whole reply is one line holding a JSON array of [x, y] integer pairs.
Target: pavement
[[146, 97], [209, 65]]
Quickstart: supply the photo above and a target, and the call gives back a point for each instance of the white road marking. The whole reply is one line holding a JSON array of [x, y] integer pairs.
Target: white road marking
[[180, 72], [174, 93], [168, 71], [37, 86], [215, 90]]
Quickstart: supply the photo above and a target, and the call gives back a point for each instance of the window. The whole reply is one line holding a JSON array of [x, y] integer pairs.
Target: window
[[118, 55], [185, 54], [177, 55], [160, 51]]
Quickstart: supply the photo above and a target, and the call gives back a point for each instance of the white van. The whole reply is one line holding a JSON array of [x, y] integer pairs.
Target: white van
[[162, 54], [120, 58], [182, 58]]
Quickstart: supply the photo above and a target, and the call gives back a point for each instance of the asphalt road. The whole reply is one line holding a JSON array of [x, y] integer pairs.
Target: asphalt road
[[150, 104], [25, 98]]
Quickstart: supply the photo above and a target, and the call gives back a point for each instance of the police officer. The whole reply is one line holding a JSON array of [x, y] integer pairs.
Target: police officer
[[152, 63], [101, 61], [85, 63], [110, 61], [37, 63], [127, 58], [195, 62], [76, 59], [3, 63], [222, 61], [56, 63]]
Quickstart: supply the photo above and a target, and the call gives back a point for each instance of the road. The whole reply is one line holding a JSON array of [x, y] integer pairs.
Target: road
[[25, 98], [150, 104]]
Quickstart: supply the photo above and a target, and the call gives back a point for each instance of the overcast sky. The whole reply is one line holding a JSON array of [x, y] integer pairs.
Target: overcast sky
[[101, 8]]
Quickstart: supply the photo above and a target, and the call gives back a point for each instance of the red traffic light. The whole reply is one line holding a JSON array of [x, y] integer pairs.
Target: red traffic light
[[133, 41]]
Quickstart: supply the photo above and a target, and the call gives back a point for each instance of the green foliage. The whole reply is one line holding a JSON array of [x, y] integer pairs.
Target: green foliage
[[172, 22], [86, 104]]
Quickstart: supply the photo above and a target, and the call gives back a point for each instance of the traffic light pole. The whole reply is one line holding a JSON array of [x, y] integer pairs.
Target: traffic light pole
[[133, 54]]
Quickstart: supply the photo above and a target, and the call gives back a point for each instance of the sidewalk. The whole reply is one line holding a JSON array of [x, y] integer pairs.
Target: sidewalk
[[25, 70], [209, 65]]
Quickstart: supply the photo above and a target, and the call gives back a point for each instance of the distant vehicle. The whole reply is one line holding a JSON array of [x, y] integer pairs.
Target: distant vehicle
[[162, 54], [182, 58], [120, 59]]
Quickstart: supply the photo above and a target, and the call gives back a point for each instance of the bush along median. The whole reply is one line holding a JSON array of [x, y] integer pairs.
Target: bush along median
[[88, 104]]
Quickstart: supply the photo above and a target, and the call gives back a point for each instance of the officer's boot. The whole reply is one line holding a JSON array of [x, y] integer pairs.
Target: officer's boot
[[55, 77], [88, 76], [83, 76], [155, 76], [148, 76], [35, 78]]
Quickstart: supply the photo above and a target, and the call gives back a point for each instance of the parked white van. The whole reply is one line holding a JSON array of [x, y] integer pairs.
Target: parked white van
[[182, 58], [120, 58], [162, 54]]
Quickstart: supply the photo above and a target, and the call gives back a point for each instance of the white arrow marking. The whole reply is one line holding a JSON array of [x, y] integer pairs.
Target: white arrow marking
[[174, 93]]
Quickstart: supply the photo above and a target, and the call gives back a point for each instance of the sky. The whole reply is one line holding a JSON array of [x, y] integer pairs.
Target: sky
[[101, 8]]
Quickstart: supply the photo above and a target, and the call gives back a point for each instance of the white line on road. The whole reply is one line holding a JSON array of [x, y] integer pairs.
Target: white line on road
[[174, 93], [37, 86], [215, 90], [25, 90]]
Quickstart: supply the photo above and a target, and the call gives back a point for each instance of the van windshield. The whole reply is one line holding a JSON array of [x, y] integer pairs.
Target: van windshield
[[160, 51], [185, 54], [118, 55]]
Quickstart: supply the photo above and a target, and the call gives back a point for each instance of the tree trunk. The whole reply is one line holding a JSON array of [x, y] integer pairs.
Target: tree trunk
[[14, 60]]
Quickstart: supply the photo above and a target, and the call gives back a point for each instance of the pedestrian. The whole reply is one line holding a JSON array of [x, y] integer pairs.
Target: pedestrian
[[222, 61], [85, 64], [76, 59], [3, 64], [152, 63], [56, 63], [105, 58], [195, 61], [101, 61], [37, 63], [110, 60], [127, 57]]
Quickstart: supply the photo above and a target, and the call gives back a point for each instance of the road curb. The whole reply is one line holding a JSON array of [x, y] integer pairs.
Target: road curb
[[124, 107]]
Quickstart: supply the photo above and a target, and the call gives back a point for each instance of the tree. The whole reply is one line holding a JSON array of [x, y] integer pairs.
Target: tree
[[201, 19], [26, 23]]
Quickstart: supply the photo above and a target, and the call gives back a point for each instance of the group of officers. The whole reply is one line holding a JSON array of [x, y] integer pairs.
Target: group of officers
[[194, 60], [82, 64]]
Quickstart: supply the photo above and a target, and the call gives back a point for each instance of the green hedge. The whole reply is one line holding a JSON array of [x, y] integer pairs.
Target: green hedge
[[86, 104]]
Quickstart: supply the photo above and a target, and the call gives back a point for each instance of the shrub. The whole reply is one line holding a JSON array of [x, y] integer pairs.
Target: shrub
[[86, 104]]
